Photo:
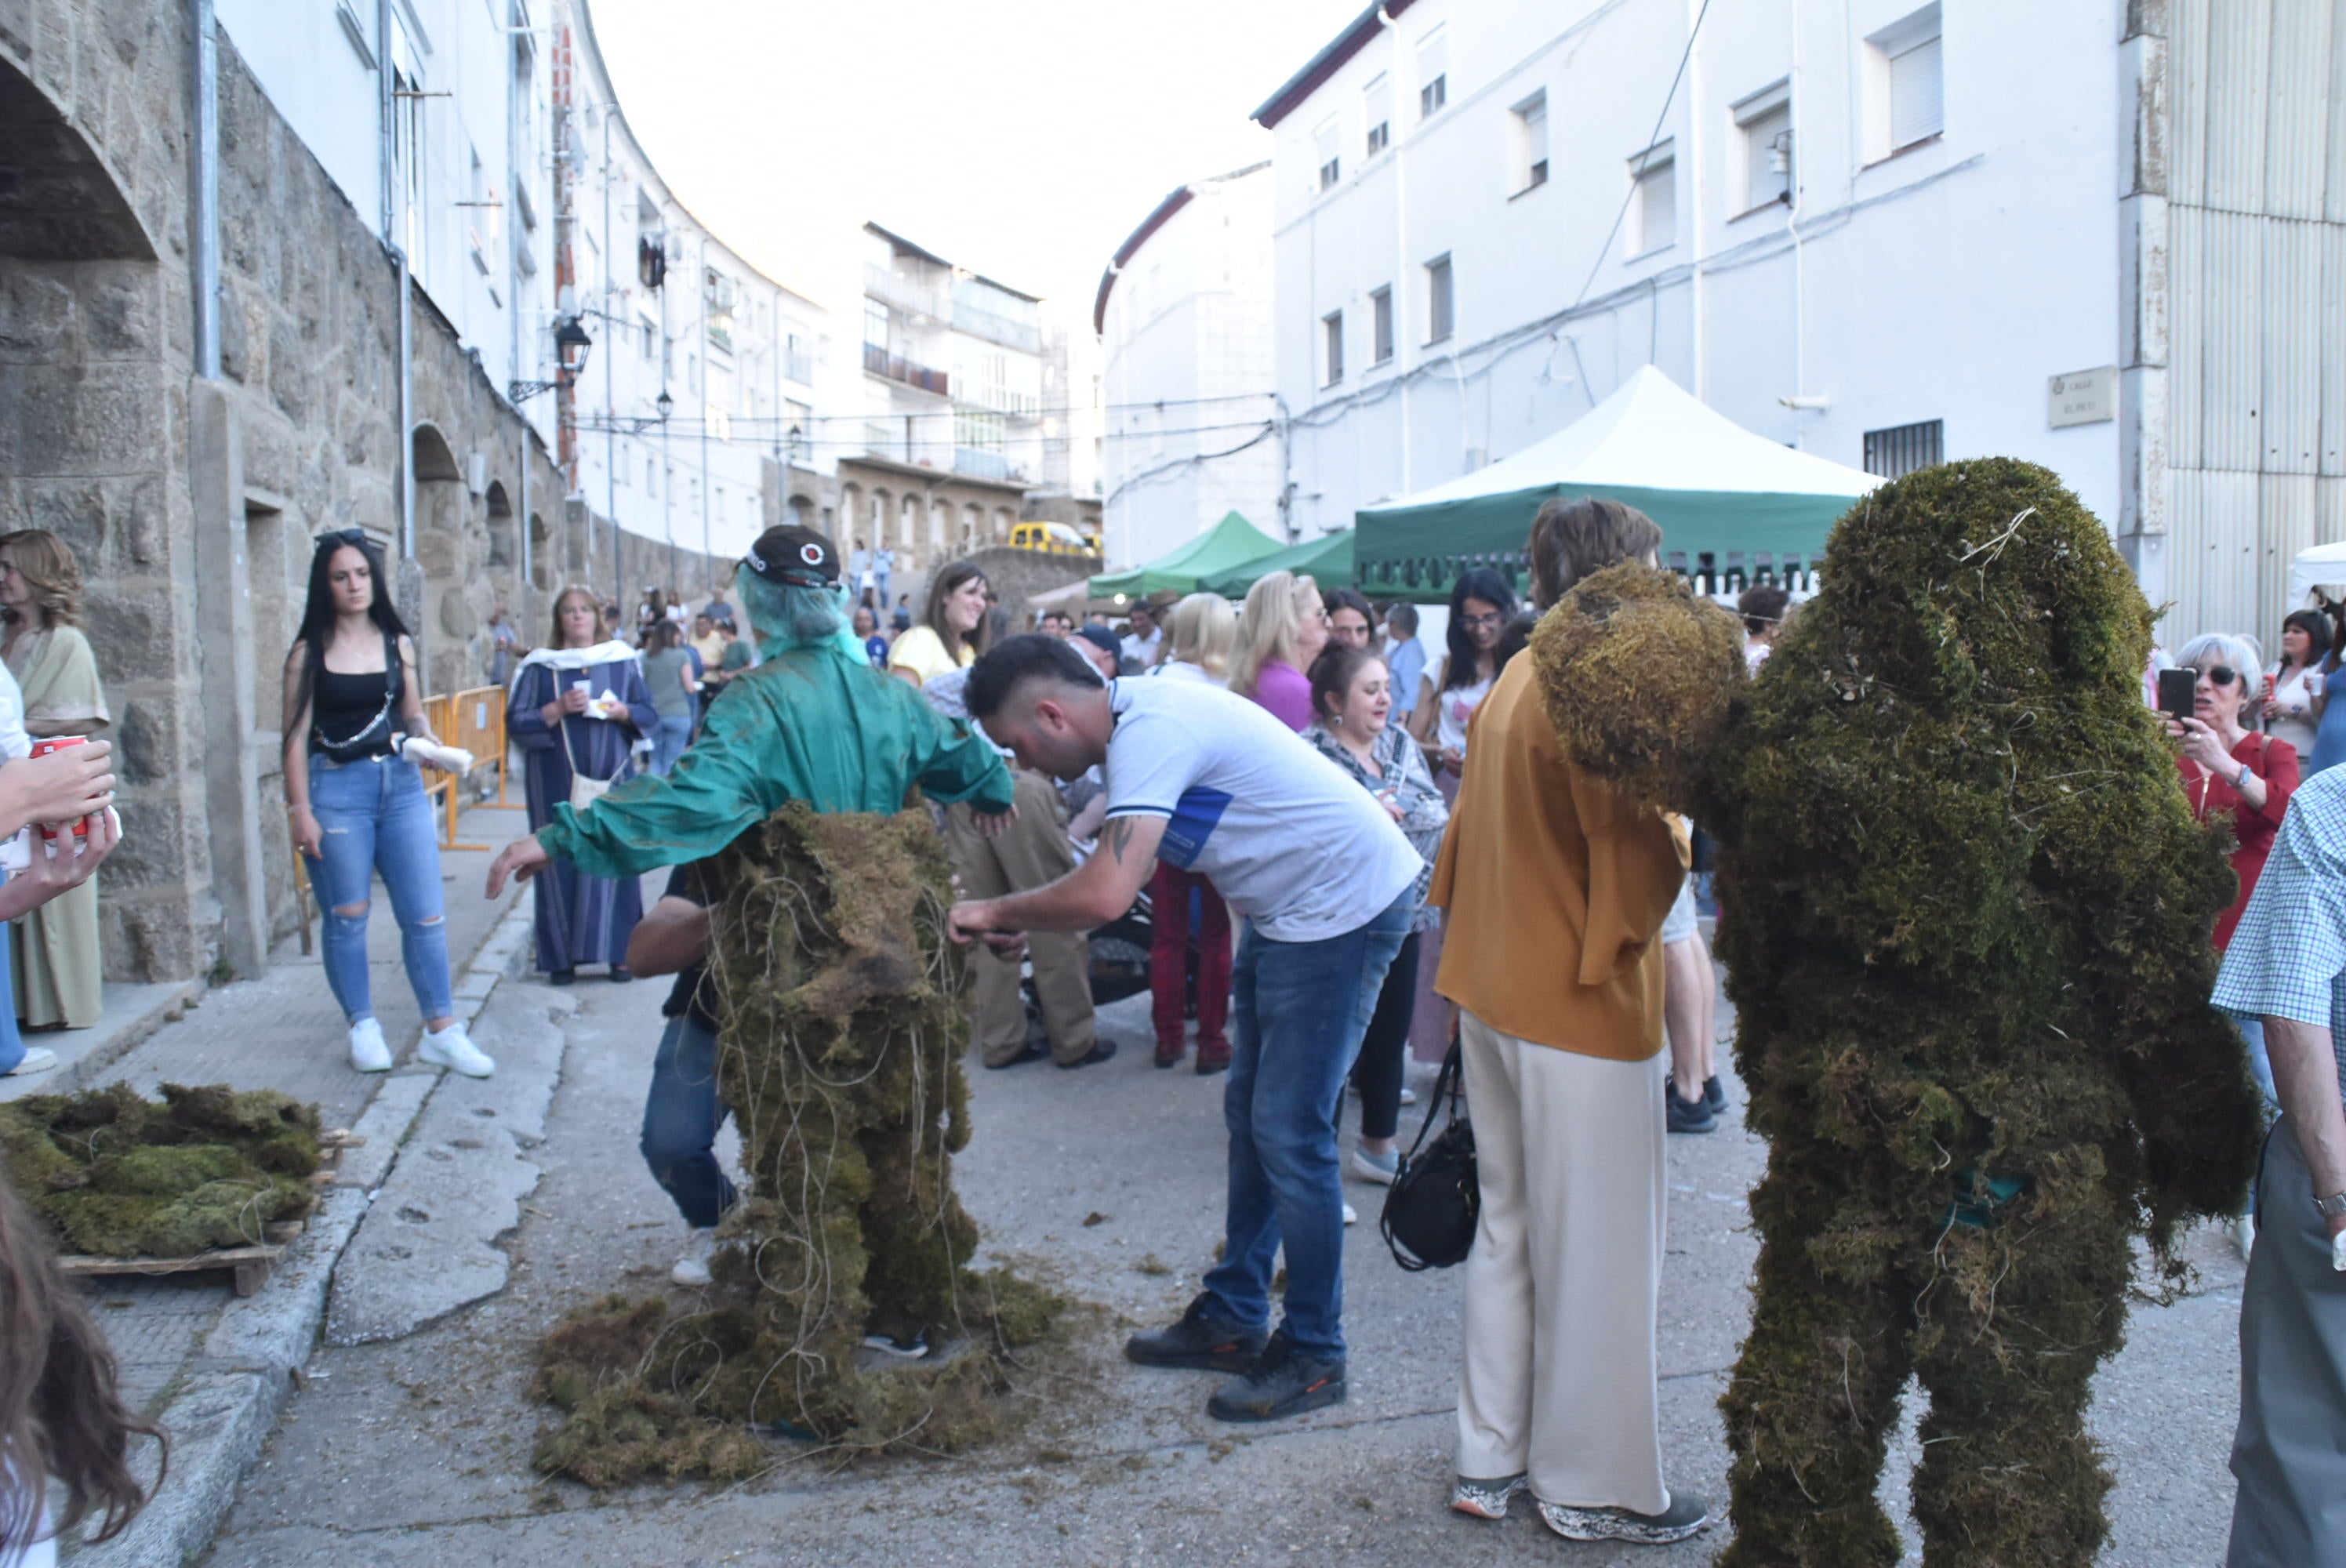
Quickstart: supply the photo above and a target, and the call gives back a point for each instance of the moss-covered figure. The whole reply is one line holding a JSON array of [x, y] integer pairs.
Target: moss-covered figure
[[122, 1177], [842, 1033], [1966, 920]]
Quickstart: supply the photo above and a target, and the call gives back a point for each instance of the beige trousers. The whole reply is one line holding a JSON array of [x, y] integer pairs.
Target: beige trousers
[[1031, 851], [1557, 1378]]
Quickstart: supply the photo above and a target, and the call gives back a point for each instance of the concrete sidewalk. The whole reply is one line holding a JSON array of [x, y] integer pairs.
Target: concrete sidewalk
[[213, 1370]]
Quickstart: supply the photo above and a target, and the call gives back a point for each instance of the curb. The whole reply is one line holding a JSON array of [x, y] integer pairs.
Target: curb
[[231, 1400]]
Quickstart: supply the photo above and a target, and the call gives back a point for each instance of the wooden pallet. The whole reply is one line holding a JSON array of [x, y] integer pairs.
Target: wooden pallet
[[253, 1264]]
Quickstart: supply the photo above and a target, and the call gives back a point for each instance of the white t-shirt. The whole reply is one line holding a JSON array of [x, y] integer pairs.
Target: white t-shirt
[[1286, 837], [1143, 649]]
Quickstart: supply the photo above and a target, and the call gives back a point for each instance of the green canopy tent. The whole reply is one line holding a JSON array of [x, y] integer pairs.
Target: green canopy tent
[[1327, 561], [1716, 489], [1227, 544]]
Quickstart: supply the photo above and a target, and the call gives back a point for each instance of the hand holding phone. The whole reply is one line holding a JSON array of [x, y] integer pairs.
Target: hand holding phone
[[2177, 690]]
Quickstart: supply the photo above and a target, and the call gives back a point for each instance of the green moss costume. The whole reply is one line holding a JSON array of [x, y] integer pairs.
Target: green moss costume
[[811, 724], [1966, 916], [841, 1031]]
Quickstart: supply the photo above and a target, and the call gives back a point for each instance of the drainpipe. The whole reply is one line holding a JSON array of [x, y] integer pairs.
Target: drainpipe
[[386, 76], [1403, 284], [206, 245]]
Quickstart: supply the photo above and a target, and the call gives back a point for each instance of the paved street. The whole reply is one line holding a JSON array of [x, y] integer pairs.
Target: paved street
[[415, 1450]]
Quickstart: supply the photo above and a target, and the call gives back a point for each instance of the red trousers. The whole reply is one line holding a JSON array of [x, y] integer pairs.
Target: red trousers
[[1168, 955]]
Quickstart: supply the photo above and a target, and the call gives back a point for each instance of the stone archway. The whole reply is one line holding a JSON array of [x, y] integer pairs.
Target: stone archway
[[502, 555], [447, 548]]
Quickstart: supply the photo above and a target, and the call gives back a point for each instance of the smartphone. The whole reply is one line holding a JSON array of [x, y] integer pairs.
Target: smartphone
[[2175, 688]]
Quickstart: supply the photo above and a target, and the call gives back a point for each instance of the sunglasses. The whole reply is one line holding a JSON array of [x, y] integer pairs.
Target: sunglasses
[[345, 536], [2221, 674]]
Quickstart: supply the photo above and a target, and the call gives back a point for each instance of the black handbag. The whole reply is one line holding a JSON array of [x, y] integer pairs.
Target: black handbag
[[1436, 1198]]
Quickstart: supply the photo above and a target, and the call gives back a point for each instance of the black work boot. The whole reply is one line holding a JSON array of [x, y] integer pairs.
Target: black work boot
[[1283, 1381], [1201, 1341]]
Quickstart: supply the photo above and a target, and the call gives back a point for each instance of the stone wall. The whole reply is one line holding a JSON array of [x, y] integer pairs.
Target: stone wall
[[192, 505], [1017, 575]]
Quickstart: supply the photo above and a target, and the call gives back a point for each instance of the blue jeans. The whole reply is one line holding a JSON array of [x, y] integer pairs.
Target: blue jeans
[[669, 738], [373, 816], [1302, 1009], [12, 1045], [681, 1115]]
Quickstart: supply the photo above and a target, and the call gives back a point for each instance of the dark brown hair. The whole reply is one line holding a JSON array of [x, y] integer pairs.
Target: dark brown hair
[[1332, 675], [49, 569], [61, 1415], [980, 636], [1571, 539]]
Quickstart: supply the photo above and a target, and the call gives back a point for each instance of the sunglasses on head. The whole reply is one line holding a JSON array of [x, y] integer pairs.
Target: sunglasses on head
[[345, 536]]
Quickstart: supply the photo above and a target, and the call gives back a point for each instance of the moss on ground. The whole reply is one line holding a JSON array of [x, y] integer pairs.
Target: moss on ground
[[842, 1036], [1966, 914], [122, 1177]]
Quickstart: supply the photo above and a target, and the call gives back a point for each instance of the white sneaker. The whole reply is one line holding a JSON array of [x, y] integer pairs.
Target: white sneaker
[[1409, 1096], [37, 1059], [1351, 1216], [451, 1048], [692, 1268], [368, 1052]]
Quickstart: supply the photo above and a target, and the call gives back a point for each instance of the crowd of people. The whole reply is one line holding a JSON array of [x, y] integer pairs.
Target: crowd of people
[[1333, 887]]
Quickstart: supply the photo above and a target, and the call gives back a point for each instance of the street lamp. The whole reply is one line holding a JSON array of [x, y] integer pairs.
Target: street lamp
[[571, 344], [665, 404]]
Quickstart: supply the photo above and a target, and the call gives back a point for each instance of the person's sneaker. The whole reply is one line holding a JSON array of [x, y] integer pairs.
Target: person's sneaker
[[1408, 1096], [1486, 1499], [41, 1059], [1687, 1515], [1686, 1115], [453, 1049], [1201, 1341], [1030, 1052], [1379, 1168], [1171, 1055], [692, 1270], [1282, 1382], [1352, 1215], [1714, 1093], [903, 1347], [1213, 1059], [368, 1052], [1101, 1051]]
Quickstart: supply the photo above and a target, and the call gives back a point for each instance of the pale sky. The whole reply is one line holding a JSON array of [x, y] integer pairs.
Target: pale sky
[[1023, 141]]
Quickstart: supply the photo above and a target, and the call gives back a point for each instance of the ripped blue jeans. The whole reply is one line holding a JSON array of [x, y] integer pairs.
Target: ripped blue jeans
[[373, 816]]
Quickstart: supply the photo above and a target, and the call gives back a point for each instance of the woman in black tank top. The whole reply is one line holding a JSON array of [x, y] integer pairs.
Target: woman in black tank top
[[359, 807]]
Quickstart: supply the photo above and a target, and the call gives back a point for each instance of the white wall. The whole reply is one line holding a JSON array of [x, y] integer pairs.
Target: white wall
[[1187, 350], [1948, 282]]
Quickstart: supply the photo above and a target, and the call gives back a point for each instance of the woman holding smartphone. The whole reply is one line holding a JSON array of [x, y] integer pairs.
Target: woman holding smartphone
[[577, 744], [359, 807]]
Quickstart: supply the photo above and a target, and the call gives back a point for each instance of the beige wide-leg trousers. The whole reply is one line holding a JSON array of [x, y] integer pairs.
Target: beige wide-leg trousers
[[1031, 851], [1557, 1378]]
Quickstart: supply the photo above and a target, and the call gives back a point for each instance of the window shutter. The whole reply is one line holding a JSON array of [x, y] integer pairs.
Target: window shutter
[[1917, 95]]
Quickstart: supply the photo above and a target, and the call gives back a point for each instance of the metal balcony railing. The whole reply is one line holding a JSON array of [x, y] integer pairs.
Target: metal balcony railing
[[897, 368]]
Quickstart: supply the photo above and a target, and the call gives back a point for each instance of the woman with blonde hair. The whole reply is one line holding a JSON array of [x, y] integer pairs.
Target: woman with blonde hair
[[1204, 639], [1282, 630], [55, 948]]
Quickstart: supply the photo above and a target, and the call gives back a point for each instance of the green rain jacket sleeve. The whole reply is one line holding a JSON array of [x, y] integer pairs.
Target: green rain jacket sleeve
[[960, 766], [717, 791]]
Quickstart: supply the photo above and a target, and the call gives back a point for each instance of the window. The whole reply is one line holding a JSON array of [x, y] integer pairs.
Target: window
[[1376, 100], [875, 324], [1529, 132], [1439, 300], [1905, 94], [648, 331], [1331, 166], [651, 476], [1903, 448], [1763, 123], [1656, 172], [1332, 333], [1380, 326], [1433, 73]]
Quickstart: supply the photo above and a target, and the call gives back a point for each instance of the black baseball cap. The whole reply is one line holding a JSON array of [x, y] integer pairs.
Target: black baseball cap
[[796, 555], [1101, 639]]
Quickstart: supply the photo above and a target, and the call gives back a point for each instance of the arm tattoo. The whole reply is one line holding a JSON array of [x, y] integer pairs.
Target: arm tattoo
[[1118, 835]]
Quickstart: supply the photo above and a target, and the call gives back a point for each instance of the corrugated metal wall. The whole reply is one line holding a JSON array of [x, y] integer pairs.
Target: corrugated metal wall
[[2257, 367]]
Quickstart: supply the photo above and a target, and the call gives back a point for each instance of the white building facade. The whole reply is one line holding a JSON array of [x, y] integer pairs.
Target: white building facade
[[1190, 426], [2095, 237]]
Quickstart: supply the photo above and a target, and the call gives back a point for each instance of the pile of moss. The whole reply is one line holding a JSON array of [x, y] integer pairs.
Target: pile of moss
[[1635, 671], [842, 1033], [122, 1177], [1966, 917]]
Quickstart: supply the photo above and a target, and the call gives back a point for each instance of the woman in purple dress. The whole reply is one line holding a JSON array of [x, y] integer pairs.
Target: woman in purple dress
[[559, 718]]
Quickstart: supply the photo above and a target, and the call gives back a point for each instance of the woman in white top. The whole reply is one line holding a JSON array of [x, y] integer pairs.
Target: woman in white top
[[1479, 605], [1203, 639], [2296, 693]]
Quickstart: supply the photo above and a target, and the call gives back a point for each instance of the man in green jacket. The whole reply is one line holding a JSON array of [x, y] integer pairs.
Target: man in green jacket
[[813, 722]]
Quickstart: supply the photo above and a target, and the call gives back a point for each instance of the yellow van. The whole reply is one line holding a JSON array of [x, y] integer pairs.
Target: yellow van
[[1055, 538]]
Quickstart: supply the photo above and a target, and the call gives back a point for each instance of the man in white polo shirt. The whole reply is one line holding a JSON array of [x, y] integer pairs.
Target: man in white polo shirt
[[1211, 783]]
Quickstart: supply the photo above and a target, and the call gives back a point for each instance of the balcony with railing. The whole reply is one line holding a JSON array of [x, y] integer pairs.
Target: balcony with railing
[[799, 366], [908, 291], [897, 368]]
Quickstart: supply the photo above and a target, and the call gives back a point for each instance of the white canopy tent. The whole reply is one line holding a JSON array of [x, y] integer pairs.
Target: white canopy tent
[[2322, 566]]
